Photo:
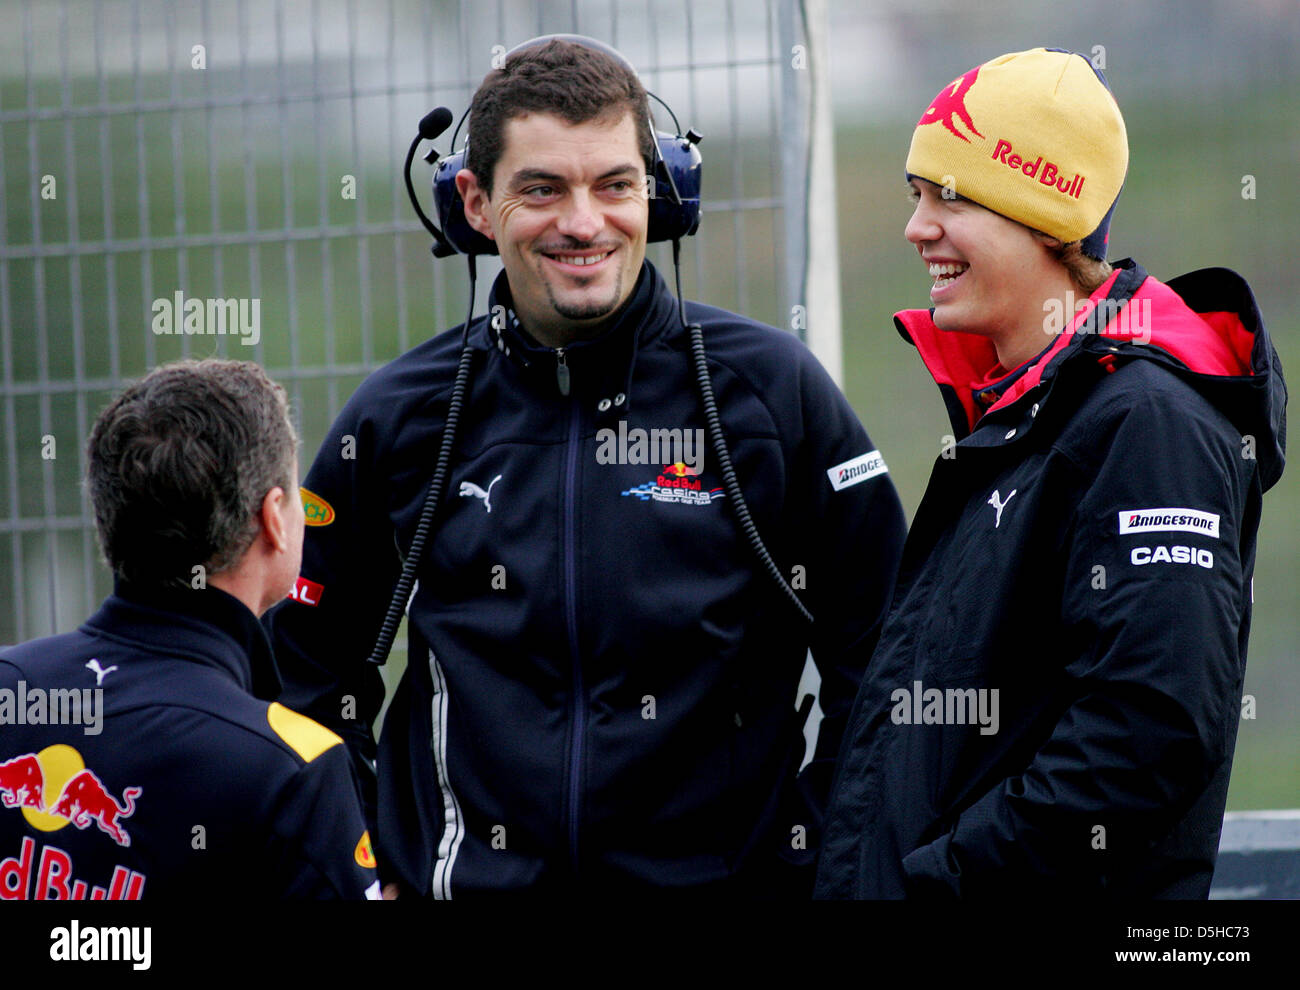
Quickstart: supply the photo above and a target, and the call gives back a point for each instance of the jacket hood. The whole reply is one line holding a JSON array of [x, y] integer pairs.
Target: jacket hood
[[1204, 327]]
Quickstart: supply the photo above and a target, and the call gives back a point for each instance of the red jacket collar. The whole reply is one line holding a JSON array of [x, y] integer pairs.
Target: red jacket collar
[[1133, 306]]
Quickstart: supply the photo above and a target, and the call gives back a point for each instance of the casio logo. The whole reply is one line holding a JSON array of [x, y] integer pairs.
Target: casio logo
[[1172, 555]]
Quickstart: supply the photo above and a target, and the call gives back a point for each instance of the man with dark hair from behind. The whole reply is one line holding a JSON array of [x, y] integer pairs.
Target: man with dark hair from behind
[[136, 759]]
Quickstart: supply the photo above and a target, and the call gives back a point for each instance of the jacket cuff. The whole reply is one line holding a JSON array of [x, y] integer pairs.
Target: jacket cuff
[[930, 872]]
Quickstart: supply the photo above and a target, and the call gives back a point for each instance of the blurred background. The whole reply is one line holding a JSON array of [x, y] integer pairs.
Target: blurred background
[[252, 150]]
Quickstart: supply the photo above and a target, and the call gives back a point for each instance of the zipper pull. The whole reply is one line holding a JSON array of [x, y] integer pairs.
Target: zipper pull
[[561, 371]]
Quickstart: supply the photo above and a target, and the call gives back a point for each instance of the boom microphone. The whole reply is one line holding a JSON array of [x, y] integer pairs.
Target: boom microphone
[[434, 123], [431, 125]]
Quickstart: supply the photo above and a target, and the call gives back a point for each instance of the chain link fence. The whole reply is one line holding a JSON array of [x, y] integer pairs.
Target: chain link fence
[[223, 178]]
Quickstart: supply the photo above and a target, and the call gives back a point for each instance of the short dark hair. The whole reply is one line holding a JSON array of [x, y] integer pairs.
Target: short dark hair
[[178, 466], [571, 81]]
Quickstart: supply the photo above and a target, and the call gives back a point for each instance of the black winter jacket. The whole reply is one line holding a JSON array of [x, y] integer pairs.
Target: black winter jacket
[[1054, 701], [135, 762], [601, 687]]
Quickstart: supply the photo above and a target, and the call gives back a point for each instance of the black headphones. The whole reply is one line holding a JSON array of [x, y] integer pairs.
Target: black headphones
[[675, 173]]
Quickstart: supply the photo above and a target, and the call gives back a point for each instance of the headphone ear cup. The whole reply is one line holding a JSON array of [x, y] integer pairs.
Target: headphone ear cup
[[679, 164], [451, 209]]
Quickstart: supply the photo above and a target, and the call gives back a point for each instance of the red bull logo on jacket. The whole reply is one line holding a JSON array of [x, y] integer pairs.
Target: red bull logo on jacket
[[676, 483], [84, 799], [54, 789], [679, 475], [22, 784], [54, 881], [80, 798]]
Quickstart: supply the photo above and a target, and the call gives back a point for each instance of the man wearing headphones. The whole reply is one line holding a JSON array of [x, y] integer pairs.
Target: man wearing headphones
[[602, 676]]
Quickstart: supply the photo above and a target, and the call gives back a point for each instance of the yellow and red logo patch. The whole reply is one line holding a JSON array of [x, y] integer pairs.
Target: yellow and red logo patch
[[365, 854], [316, 509], [55, 788]]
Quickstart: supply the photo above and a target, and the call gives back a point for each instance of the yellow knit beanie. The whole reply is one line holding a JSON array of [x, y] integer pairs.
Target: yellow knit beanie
[[1035, 136]]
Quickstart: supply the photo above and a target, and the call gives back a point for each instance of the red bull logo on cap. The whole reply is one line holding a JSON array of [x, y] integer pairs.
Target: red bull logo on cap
[[1048, 173], [950, 104]]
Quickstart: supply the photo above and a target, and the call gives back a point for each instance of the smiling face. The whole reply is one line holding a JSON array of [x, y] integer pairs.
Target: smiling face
[[991, 275], [569, 214]]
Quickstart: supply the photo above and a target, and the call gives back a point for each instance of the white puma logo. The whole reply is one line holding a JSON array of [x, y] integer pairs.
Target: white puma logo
[[998, 504], [469, 488], [99, 672]]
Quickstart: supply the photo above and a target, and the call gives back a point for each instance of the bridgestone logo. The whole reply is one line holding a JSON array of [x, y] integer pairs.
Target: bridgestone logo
[[861, 468], [1167, 520]]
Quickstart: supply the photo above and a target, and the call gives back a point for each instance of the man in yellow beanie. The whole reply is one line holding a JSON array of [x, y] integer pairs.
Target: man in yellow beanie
[[1053, 704]]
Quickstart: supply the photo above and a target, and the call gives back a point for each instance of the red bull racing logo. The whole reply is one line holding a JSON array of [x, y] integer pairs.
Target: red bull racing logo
[[54, 879], [950, 105], [22, 784], [80, 799], [84, 799], [1048, 173], [676, 483]]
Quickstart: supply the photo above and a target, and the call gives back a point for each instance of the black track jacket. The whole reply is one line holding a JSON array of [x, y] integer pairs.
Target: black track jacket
[[601, 686], [1054, 701], [136, 763]]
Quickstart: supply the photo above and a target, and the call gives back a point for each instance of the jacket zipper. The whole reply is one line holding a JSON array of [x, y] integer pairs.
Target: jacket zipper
[[571, 621], [561, 371]]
